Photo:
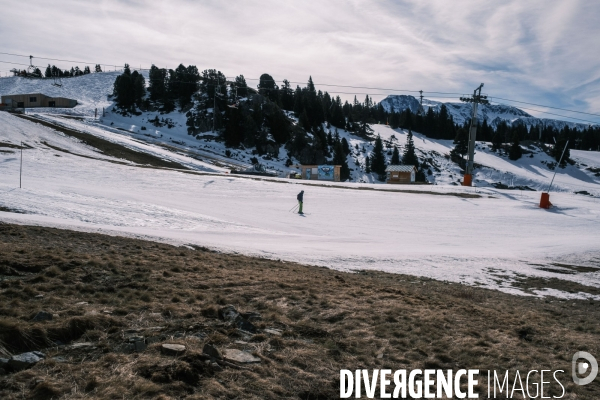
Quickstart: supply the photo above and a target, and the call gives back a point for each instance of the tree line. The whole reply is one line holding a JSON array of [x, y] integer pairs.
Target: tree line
[[261, 118]]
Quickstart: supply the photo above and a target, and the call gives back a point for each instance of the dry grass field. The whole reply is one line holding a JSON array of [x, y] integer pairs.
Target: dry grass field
[[104, 291]]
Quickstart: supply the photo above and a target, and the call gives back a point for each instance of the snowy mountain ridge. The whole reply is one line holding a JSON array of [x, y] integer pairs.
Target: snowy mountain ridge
[[461, 112]]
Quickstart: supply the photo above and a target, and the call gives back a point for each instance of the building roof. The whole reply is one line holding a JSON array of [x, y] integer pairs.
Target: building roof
[[400, 168]]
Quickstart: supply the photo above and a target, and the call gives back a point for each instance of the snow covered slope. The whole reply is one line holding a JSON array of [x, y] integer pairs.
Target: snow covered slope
[[490, 240], [534, 170], [89, 90]]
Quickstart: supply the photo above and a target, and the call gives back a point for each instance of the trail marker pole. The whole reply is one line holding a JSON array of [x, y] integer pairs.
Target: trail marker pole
[[545, 199], [21, 167]]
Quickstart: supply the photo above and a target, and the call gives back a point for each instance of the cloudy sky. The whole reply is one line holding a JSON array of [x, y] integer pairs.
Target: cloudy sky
[[545, 52]]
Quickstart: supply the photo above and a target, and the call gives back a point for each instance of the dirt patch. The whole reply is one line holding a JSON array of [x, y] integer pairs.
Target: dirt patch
[[10, 145], [530, 283], [12, 210], [105, 291], [109, 148]]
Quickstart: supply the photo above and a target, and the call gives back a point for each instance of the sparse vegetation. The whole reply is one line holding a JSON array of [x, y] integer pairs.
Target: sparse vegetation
[[104, 290]]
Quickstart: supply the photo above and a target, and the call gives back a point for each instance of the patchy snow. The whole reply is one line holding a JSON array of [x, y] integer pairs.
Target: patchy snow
[[487, 241], [534, 170], [91, 91]]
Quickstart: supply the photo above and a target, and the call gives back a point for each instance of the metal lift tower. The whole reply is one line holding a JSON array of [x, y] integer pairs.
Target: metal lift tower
[[476, 99]]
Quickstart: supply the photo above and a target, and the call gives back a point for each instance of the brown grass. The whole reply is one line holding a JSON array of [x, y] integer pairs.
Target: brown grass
[[104, 289], [106, 147]]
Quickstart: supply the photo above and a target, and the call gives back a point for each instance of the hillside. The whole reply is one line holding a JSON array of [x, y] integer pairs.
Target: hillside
[[417, 230], [170, 132]]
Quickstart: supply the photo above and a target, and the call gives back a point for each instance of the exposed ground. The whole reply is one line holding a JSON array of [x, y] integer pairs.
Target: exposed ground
[[102, 289], [106, 147]]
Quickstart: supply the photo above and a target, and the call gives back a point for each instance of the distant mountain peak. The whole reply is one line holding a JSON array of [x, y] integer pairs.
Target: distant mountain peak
[[461, 112]]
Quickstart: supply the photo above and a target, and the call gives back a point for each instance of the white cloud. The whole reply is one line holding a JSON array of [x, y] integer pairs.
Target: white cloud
[[537, 50]]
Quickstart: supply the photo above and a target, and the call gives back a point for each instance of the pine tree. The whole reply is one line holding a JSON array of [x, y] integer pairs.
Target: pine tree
[[339, 158], [458, 152], [395, 157], [268, 88], [410, 157], [48, 73], [561, 142], [124, 90], [241, 86], [367, 165], [345, 145], [86, 70], [139, 86], [496, 141], [98, 68], [378, 164], [515, 151]]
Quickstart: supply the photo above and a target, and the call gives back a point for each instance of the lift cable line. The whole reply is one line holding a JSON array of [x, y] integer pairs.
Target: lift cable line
[[335, 85], [540, 105], [557, 115], [476, 99]]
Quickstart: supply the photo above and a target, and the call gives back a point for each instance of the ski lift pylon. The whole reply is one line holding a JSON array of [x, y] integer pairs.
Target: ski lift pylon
[[235, 102]]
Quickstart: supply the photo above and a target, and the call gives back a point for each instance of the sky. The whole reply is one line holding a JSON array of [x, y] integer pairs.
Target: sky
[[545, 52]]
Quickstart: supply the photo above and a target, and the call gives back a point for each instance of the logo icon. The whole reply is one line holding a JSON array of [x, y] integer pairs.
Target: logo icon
[[581, 367]]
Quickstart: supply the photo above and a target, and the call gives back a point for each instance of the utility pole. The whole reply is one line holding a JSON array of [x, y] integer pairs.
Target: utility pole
[[215, 105], [21, 167], [545, 198], [476, 99]]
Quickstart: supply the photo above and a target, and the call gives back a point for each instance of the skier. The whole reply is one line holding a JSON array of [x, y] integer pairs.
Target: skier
[[300, 198]]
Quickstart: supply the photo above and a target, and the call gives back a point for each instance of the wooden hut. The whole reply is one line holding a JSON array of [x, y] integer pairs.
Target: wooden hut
[[35, 100], [403, 174]]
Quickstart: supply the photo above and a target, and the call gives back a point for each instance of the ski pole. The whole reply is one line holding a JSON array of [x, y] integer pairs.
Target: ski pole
[[296, 206]]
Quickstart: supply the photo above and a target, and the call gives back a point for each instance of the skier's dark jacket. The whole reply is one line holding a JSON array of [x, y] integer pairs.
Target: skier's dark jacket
[[300, 196]]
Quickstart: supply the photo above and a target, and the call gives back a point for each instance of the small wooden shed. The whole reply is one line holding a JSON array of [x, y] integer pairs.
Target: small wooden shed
[[403, 174], [321, 172], [34, 100]]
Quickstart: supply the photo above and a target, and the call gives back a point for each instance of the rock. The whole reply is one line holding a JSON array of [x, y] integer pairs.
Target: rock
[[172, 349], [252, 316], [138, 343], [212, 351], [81, 303], [229, 313], [125, 348], [244, 325], [82, 345], [274, 332], [25, 360], [153, 339], [43, 316], [239, 356], [216, 367], [39, 296], [139, 346]]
